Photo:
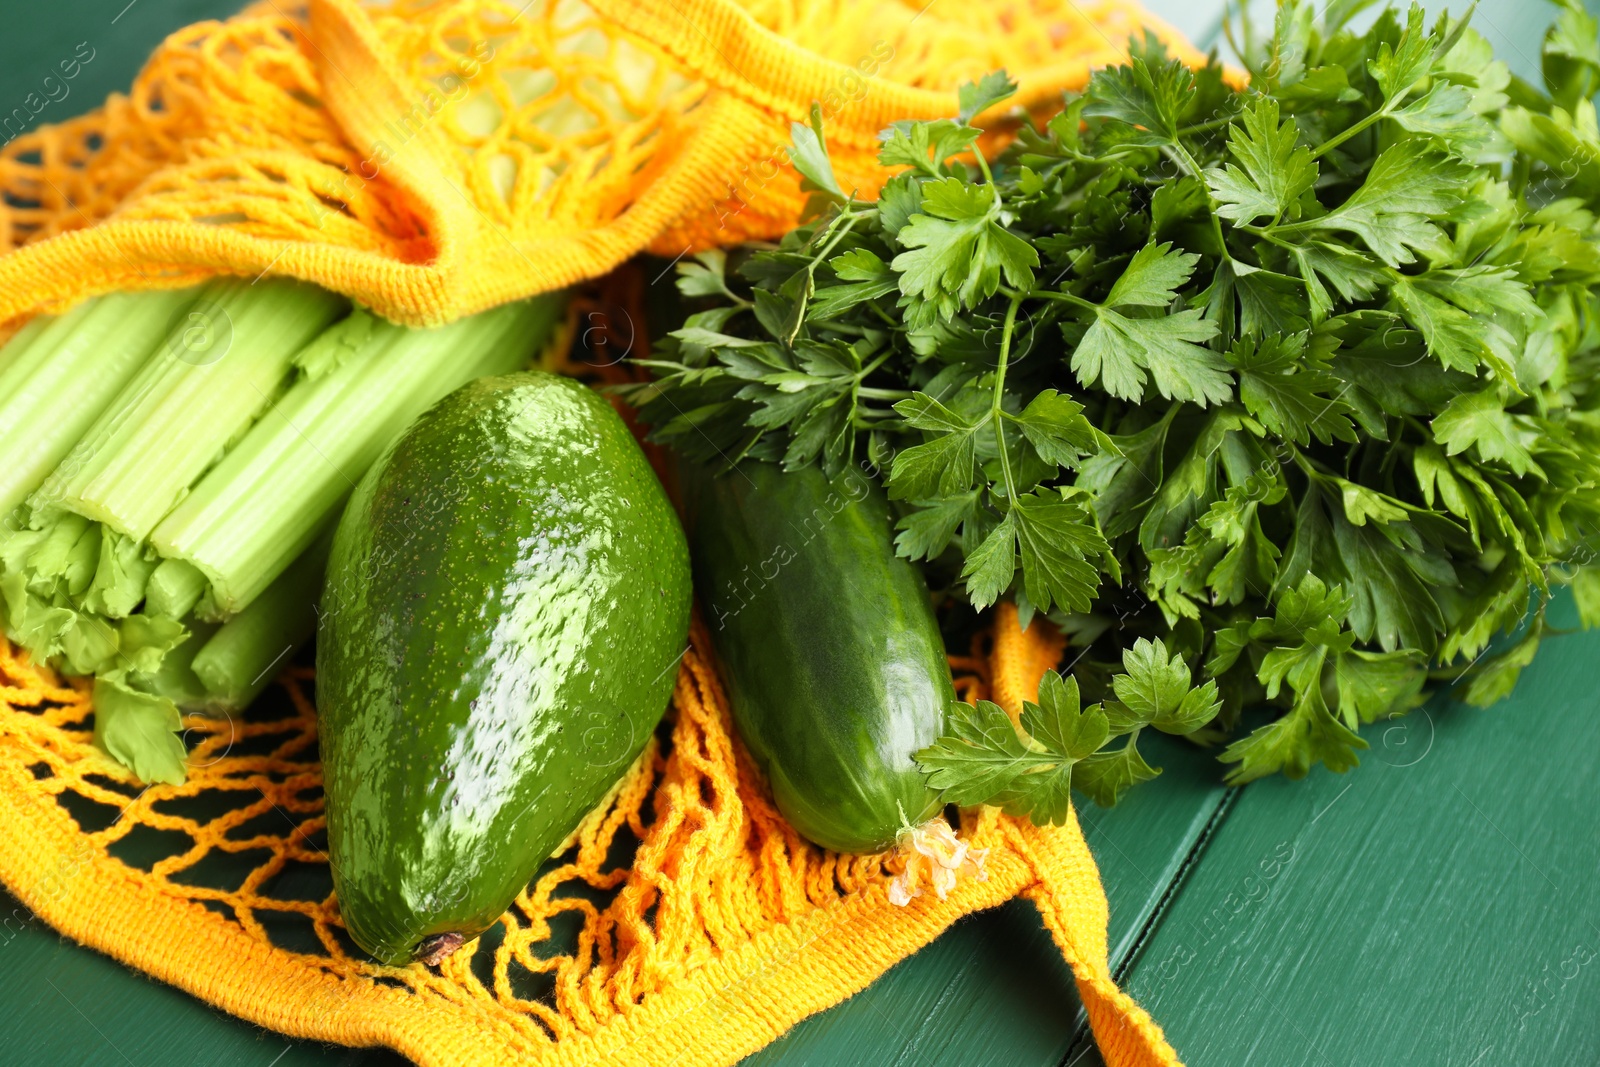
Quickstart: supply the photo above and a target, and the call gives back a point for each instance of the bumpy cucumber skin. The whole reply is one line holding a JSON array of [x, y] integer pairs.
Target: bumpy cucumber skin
[[835, 668], [507, 597]]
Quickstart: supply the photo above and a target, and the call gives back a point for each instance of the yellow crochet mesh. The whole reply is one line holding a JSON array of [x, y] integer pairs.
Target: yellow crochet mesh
[[432, 159], [688, 924]]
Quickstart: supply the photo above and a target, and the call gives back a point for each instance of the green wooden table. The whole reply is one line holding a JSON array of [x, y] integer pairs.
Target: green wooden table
[[1437, 907]]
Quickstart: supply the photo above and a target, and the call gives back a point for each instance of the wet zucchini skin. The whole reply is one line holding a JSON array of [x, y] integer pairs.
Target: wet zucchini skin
[[834, 664], [506, 600]]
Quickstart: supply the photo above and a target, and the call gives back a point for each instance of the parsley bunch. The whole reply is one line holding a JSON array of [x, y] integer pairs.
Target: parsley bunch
[[1293, 387]]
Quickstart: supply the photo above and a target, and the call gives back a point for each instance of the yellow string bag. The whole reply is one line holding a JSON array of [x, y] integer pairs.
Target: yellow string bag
[[723, 930], [431, 160]]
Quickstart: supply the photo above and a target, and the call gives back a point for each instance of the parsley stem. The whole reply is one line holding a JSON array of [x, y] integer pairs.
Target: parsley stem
[[1064, 297], [983, 165], [1180, 155], [999, 393], [1209, 124], [836, 238], [874, 365], [861, 391], [1388, 107], [1382, 113], [1269, 235], [1308, 466], [1340, 138], [1007, 328], [890, 320]]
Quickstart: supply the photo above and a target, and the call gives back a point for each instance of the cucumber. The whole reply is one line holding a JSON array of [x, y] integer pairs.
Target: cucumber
[[832, 657], [506, 599]]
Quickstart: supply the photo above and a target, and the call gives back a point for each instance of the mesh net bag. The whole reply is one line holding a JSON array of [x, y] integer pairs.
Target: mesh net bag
[[688, 924], [431, 160]]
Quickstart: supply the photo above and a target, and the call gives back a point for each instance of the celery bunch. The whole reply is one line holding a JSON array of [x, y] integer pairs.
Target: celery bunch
[[173, 465]]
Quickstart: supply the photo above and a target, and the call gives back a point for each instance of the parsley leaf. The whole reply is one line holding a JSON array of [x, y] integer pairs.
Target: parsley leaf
[[1351, 275], [1155, 690], [979, 756], [1152, 277], [1293, 397], [1479, 421], [1118, 350], [989, 90], [808, 153], [1104, 776], [926, 146], [957, 249], [944, 464], [1054, 425], [1059, 723], [1274, 174], [1309, 734], [1057, 538], [1148, 99], [984, 760], [990, 566], [1446, 113], [1396, 68], [1392, 210]]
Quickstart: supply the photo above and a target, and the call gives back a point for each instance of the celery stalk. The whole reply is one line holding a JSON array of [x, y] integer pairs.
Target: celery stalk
[[24, 355], [364, 381], [243, 657], [176, 679], [175, 587], [72, 368], [13, 350], [208, 380]]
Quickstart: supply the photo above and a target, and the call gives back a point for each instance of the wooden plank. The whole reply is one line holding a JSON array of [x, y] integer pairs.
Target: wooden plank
[[1436, 906]]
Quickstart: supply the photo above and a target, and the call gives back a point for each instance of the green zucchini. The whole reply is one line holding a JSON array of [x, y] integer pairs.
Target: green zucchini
[[507, 596], [834, 664]]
